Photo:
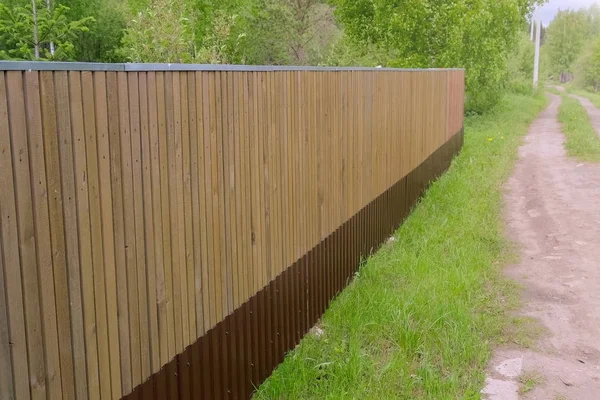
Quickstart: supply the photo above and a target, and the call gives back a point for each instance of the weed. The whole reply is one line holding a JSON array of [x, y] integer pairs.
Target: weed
[[530, 380]]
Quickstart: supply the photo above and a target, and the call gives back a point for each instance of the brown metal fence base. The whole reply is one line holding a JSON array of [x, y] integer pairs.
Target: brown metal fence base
[[240, 352]]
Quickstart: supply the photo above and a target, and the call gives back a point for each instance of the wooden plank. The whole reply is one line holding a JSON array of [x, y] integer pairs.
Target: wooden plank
[[219, 201], [84, 233], [247, 265], [130, 234], [242, 213], [276, 186], [250, 96], [189, 277], [139, 219], [229, 243], [148, 133], [198, 201], [263, 213], [63, 120], [26, 236], [265, 122], [166, 307], [181, 272], [57, 232], [102, 380], [205, 198], [299, 93], [6, 376], [212, 301], [122, 250], [174, 175], [234, 190], [283, 134], [108, 288], [10, 250]]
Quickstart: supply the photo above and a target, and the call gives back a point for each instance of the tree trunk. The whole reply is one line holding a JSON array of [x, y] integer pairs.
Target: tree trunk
[[51, 43], [36, 45]]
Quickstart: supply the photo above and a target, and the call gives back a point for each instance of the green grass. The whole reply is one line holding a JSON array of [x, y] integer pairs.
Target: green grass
[[423, 314], [582, 142], [529, 380], [553, 90], [593, 97]]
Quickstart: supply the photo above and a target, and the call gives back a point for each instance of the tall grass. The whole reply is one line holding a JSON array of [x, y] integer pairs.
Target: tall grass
[[582, 142], [422, 315]]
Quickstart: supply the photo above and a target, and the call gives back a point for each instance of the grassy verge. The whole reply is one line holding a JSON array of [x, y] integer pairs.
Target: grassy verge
[[582, 142], [423, 313], [593, 97]]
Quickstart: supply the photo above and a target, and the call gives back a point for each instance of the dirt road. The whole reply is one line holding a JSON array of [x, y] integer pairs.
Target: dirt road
[[553, 213]]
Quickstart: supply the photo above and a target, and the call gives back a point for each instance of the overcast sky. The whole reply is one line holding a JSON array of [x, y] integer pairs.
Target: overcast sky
[[548, 11]]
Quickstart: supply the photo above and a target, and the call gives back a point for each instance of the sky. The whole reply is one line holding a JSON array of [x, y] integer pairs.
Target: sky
[[549, 10]]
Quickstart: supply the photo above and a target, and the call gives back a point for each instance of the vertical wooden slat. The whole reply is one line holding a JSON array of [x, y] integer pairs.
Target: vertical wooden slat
[[122, 249], [110, 252], [203, 134], [219, 200], [84, 232], [190, 333], [148, 125], [98, 273], [143, 358], [198, 199], [6, 375], [165, 296], [25, 229], [228, 162], [211, 300], [247, 261], [180, 273], [57, 229], [10, 249], [173, 139]]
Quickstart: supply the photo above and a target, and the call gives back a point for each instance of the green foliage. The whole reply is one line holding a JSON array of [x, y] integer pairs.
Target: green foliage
[[168, 31], [591, 68], [101, 42], [160, 33], [520, 66], [23, 28], [346, 53], [476, 35], [566, 37]]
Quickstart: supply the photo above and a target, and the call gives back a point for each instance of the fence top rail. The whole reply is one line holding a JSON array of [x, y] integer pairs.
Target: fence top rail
[[135, 67]]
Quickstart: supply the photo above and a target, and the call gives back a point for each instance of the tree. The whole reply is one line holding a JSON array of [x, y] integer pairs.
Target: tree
[[27, 32], [103, 38], [566, 37], [167, 31], [477, 35], [592, 73], [160, 33]]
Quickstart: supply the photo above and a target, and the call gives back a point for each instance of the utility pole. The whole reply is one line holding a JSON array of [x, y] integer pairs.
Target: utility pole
[[532, 25], [536, 62]]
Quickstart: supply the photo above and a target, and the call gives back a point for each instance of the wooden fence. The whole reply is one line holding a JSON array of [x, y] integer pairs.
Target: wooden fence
[[141, 206]]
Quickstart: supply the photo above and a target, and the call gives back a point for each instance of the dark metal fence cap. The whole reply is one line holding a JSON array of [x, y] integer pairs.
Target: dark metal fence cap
[[135, 67]]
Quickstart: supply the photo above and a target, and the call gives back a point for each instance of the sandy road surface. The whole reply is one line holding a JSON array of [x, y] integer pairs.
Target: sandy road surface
[[552, 210]]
